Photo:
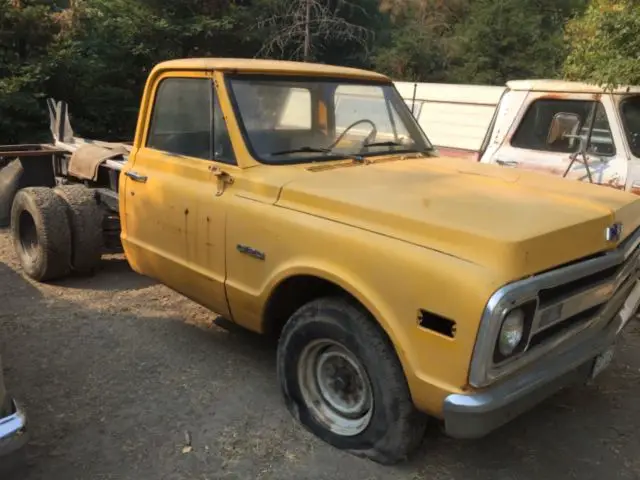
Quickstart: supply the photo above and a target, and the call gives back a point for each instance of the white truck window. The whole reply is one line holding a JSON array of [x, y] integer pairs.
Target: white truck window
[[630, 109], [533, 131]]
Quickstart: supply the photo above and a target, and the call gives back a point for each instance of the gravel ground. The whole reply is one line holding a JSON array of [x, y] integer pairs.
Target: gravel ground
[[117, 372]]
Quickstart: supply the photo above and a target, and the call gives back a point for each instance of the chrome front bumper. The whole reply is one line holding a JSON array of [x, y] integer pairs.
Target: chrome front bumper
[[13, 430], [476, 414]]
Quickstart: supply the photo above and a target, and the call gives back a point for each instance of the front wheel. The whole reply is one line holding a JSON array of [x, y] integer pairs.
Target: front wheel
[[342, 379]]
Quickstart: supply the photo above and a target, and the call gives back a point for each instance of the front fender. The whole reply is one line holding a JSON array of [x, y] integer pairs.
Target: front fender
[[343, 277], [393, 279]]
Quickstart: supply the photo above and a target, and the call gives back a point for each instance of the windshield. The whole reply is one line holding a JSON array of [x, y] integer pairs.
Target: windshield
[[291, 120], [630, 110]]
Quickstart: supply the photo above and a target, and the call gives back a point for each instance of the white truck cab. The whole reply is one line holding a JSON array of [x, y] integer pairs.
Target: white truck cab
[[571, 129]]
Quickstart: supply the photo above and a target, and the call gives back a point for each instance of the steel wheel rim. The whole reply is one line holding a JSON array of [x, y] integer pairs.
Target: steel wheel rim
[[336, 388]]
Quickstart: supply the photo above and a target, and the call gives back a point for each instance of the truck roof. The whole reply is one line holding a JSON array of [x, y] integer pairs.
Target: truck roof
[[566, 87], [252, 65]]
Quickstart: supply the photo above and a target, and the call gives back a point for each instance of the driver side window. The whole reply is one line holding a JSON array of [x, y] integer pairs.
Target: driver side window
[[181, 118]]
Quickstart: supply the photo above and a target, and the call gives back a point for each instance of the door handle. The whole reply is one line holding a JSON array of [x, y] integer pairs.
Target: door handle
[[507, 163], [136, 177], [223, 177]]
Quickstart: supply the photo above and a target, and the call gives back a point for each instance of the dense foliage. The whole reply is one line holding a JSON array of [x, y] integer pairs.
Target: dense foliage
[[605, 44], [96, 54]]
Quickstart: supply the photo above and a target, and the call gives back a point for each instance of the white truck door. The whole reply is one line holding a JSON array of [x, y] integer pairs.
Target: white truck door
[[532, 141]]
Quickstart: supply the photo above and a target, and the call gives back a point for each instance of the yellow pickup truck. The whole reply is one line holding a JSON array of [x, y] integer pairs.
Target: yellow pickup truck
[[304, 201]]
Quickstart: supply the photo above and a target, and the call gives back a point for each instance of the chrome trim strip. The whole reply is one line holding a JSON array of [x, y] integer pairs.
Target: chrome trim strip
[[482, 372], [562, 310]]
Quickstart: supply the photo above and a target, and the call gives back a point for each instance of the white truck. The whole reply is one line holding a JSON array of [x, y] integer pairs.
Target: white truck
[[570, 129]]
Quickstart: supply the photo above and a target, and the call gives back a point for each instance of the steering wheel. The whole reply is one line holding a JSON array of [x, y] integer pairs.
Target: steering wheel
[[369, 138]]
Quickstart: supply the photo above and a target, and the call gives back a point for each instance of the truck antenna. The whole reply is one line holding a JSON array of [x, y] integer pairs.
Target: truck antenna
[[413, 100]]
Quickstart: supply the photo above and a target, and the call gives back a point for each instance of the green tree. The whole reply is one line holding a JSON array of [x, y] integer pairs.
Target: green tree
[[501, 40], [303, 29], [27, 29], [416, 42], [108, 48], [605, 44], [96, 54]]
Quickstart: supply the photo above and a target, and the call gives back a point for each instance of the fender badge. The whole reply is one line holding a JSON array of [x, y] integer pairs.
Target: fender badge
[[613, 233], [252, 252]]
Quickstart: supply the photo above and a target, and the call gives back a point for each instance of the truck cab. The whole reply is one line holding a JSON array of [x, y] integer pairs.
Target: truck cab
[[217, 140], [574, 130], [568, 129]]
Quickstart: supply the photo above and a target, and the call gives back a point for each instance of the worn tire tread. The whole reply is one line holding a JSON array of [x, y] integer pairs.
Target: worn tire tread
[[10, 176], [85, 222], [49, 213], [406, 427]]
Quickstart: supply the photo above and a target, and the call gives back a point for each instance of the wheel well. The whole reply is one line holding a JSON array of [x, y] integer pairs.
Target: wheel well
[[293, 293], [296, 291]]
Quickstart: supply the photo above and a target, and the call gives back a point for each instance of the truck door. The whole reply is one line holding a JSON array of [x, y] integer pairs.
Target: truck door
[[174, 215], [534, 143]]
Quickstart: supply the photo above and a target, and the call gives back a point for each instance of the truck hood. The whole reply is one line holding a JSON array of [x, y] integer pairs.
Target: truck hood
[[513, 221]]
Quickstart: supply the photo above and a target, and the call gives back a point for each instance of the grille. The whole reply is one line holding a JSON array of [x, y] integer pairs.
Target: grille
[[594, 297]]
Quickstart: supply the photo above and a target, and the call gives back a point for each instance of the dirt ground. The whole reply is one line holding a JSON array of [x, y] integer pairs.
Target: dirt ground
[[118, 372]]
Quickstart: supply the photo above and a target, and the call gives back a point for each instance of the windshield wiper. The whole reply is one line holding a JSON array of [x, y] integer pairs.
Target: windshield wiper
[[301, 150], [383, 144], [396, 144], [308, 149]]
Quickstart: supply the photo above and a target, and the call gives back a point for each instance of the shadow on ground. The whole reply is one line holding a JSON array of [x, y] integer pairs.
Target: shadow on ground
[[114, 274]]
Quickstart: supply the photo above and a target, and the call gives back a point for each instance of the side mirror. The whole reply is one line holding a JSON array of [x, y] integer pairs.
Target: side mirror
[[565, 126]]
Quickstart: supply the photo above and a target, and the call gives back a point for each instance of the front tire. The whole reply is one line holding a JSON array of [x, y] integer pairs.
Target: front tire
[[341, 378], [41, 235]]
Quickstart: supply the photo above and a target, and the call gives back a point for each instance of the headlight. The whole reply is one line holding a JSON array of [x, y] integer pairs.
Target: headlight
[[511, 332]]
